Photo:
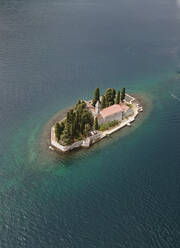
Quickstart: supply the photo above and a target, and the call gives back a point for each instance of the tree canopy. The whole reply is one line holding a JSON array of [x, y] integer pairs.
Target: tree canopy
[[96, 126], [78, 123], [79, 120], [123, 93], [57, 131], [118, 97], [113, 93], [109, 95], [96, 96], [59, 127], [103, 102]]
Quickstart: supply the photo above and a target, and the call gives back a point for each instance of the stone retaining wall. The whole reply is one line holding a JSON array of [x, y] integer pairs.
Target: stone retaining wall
[[100, 135], [82, 143]]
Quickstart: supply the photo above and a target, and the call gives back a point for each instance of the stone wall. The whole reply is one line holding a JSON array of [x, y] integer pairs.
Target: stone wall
[[55, 144], [82, 143], [128, 113], [115, 117]]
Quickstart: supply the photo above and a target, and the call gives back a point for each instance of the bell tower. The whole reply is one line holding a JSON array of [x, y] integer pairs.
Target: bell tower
[[98, 107]]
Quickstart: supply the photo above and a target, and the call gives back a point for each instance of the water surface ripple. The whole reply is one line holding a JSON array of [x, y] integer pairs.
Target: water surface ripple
[[124, 192]]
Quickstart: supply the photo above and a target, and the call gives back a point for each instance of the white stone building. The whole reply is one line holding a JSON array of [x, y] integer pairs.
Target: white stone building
[[115, 112]]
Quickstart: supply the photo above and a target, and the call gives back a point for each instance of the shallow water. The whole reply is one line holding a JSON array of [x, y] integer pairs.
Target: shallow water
[[123, 192]]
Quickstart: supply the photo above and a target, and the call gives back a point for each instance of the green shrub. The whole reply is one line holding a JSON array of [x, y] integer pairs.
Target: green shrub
[[129, 105], [108, 125]]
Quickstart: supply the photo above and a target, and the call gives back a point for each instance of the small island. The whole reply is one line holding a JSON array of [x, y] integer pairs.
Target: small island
[[90, 121]]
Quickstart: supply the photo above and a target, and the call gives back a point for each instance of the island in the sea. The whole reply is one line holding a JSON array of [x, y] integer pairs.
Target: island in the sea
[[90, 121]]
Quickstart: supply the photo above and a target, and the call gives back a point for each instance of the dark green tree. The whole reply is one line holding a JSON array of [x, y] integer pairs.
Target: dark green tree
[[118, 97], [62, 127], [86, 118], [77, 104], [66, 137], [58, 131], [123, 94], [71, 122], [77, 123], [109, 97], [113, 93], [68, 117], [103, 102], [96, 126], [80, 107], [81, 127], [96, 96], [87, 129]]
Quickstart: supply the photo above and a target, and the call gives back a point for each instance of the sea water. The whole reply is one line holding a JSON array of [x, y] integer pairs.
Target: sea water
[[124, 191]]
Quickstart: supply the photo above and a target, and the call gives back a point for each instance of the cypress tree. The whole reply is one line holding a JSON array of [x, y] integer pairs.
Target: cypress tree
[[71, 115], [113, 93], [87, 129], [123, 93], [68, 117], [66, 135], [76, 123], [68, 126], [118, 97], [96, 96], [72, 119], [62, 126], [96, 126], [109, 97], [58, 131], [81, 126], [103, 102], [77, 104]]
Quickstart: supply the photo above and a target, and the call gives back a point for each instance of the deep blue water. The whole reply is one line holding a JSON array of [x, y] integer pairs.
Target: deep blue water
[[123, 192]]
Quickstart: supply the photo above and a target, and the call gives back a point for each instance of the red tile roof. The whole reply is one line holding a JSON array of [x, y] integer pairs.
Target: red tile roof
[[116, 108]]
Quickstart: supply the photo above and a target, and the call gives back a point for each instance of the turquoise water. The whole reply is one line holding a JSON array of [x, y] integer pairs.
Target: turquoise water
[[124, 192]]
